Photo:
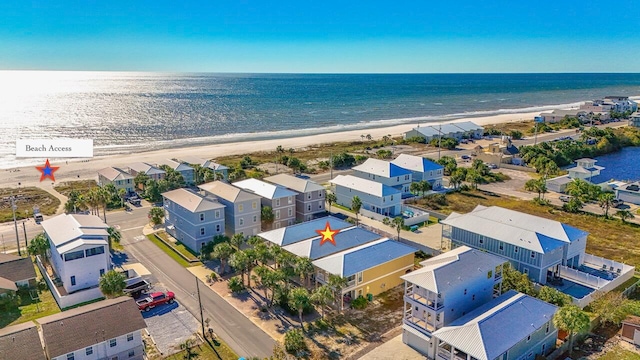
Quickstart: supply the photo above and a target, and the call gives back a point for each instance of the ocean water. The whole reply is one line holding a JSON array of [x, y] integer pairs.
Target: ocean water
[[125, 112], [622, 165]]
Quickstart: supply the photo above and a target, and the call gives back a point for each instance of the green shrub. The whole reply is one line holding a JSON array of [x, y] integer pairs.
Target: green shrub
[[294, 341], [359, 303], [235, 285]]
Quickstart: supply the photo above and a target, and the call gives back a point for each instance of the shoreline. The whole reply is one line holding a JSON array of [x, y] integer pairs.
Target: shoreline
[[87, 169]]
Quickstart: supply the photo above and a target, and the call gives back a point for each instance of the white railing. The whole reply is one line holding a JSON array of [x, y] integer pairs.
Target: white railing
[[607, 264], [414, 215], [582, 277]]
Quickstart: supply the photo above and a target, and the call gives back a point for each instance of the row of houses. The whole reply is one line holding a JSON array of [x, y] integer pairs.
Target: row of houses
[[381, 185], [454, 130], [122, 178], [108, 329], [601, 107], [454, 307]]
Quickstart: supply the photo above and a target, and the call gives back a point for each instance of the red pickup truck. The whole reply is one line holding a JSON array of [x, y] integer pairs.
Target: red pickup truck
[[156, 298]]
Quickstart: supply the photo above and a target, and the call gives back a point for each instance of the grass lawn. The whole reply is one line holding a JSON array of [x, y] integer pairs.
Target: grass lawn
[[178, 246], [29, 310], [608, 238], [220, 351], [80, 185], [619, 353], [27, 198], [169, 251]]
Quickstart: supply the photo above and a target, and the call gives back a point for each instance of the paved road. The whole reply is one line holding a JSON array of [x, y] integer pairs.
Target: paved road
[[233, 327]]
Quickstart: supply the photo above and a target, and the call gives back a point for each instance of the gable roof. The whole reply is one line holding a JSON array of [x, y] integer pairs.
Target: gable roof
[[178, 166], [295, 183], [493, 328], [527, 231], [303, 231], [90, 324], [16, 268], [364, 185], [114, 173], [381, 168], [345, 239], [228, 192], [416, 163], [452, 268], [192, 201], [21, 341], [148, 169], [63, 229], [468, 126], [194, 160], [363, 257], [264, 189]]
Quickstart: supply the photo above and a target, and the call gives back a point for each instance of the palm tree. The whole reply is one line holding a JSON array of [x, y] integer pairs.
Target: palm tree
[[398, 223], [424, 187], [122, 193], [114, 236], [415, 188], [39, 246], [536, 185], [263, 255], [624, 215], [112, 283], [239, 260], [269, 280], [103, 199], [321, 297], [330, 199], [140, 181], [474, 177], [385, 139], [356, 205], [605, 200], [298, 300], [578, 188], [456, 178], [572, 319], [237, 240], [336, 284], [304, 268], [266, 214], [222, 252], [369, 137]]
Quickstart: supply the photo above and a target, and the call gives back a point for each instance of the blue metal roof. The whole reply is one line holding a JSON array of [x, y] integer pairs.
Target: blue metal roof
[[395, 170], [371, 256], [549, 243], [573, 233], [344, 240], [307, 230], [599, 179], [430, 165]]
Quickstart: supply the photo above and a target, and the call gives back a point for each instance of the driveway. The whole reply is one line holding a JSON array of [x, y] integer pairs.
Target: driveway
[[169, 326], [393, 349]]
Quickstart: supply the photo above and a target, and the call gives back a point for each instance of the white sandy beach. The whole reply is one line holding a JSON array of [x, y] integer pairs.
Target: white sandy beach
[[29, 176]]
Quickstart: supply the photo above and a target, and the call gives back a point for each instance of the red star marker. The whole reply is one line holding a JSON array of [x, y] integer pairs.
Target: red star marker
[[47, 171], [327, 234]]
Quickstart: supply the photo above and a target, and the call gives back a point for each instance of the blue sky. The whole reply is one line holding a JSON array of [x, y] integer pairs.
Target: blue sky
[[321, 36]]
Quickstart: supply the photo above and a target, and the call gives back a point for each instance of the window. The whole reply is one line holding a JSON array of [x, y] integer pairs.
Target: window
[[397, 178], [465, 291], [501, 247], [201, 217], [289, 200], [290, 211], [217, 214], [515, 249], [89, 350], [94, 251], [319, 193], [547, 329], [101, 272], [218, 228], [277, 202], [360, 277], [71, 356], [481, 241], [132, 353], [391, 197], [73, 280], [130, 337], [254, 205], [277, 214], [473, 297], [308, 195], [112, 343], [533, 255], [525, 271], [320, 204], [74, 255], [201, 231], [543, 348], [406, 177], [240, 207], [255, 218], [309, 207], [241, 222]]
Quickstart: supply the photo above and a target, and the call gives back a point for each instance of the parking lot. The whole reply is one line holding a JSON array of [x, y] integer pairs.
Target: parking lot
[[170, 325]]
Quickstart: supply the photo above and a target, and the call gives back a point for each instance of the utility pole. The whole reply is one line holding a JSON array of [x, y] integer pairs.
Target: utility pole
[[439, 139], [15, 223], [204, 335], [535, 134], [24, 227], [331, 165]]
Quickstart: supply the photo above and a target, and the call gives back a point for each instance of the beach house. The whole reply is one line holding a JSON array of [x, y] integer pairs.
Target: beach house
[[108, 329], [421, 169], [447, 287], [16, 271], [634, 120], [21, 341], [628, 193], [622, 103], [79, 255], [385, 172], [116, 176], [281, 200], [585, 169], [242, 208], [153, 172], [193, 218], [221, 171], [311, 195], [513, 326], [559, 115], [187, 172], [548, 251], [376, 197]]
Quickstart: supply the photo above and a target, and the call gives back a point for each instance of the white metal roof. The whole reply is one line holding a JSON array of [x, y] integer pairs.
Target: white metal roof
[[227, 191], [365, 186], [65, 228], [452, 268], [264, 189], [294, 183], [146, 168], [415, 163], [192, 201], [381, 168], [114, 173]]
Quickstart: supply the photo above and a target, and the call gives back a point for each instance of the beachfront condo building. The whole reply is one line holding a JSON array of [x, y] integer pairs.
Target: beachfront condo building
[[311, 195], [187, 172], [458, 131], [447, 287], [116, 176], [192, 218], [221, 172], [376, 197], [154, 172], [281, 200], [513, 326], [421, 169], [385, 172], [242, 208]]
